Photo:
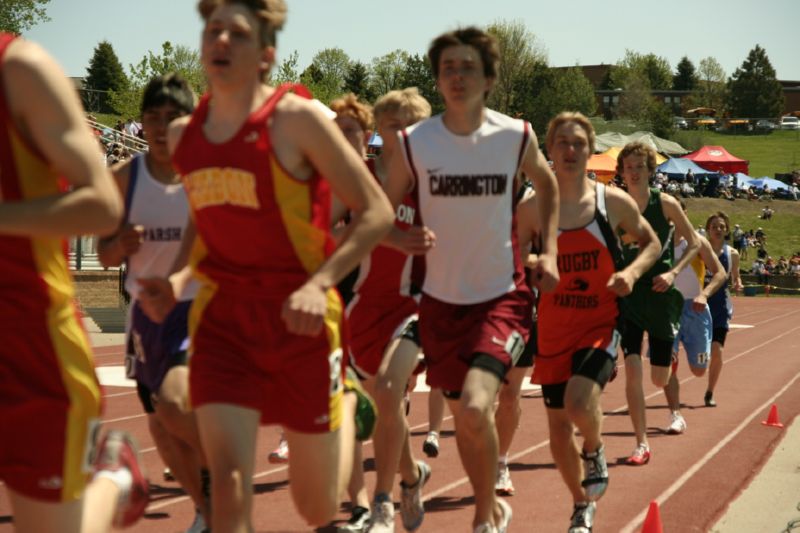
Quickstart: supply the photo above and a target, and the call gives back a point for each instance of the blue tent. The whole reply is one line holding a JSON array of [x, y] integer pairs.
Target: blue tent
[[743, 181], [771, 183], [677, 167], [375, 140]]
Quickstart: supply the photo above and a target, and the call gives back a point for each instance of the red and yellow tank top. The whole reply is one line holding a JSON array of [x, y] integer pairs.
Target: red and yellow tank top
[[587, 257], [35, 273], [259, 228], [387, 272]]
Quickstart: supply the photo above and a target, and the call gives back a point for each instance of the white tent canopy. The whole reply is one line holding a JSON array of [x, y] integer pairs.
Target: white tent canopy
[[612, 138]]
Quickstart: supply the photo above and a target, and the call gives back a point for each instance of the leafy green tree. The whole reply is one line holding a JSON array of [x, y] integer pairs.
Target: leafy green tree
[[753, 88], [387, 72], [710, 90], [636, 98], [325, 76], [105, 75], [573, 91], [180, 59], [286, 71], [417, 73], [654, 69], [519, 51], [357, 81], [17, 16], [685, 77], [659, 117]]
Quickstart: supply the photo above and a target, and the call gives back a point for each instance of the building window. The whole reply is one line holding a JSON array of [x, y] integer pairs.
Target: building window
[[615, 100], [677, 99], [667, 99]]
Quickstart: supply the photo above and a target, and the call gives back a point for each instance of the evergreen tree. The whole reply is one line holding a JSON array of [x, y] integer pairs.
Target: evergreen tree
[[105, 74], [685, 77], [16, 16], [357, 81], [753, 89], [417, 73]]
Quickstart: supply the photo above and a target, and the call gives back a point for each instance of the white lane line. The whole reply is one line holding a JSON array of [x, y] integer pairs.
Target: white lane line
[[633, 525]]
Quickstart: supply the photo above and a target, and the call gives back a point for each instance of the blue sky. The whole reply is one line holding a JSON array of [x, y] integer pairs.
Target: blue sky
[[572, 31]]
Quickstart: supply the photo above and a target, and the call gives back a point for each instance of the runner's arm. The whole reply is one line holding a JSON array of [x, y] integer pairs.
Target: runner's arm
[[736, 276], [113, 249], [624, 213], [683, 228], [45, 108], [535, 167], [715, 267]]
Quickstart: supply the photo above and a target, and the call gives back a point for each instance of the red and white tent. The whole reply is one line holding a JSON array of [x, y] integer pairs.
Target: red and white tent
[[718, 159]]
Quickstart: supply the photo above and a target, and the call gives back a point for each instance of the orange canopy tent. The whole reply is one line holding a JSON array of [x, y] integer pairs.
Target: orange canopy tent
[[604, 167], [614, 151]]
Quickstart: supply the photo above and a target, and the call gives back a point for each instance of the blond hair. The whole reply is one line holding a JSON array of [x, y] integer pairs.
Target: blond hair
[[407, 100], [570, 116], [271, 15]]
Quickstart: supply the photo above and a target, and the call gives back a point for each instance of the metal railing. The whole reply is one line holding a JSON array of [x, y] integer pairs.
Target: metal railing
[[109, 134]]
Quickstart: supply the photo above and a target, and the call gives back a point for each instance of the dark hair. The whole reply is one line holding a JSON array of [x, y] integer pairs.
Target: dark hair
[[168, 89], [483, 42]]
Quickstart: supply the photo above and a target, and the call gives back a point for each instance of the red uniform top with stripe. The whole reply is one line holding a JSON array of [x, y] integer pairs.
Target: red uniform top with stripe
[[581, 303], [386, 271], [259, 228], [35, 277]]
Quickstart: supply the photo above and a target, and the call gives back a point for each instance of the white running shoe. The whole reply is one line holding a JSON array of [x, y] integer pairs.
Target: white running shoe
[[503, 486], [677, 424], [411, 508], [382, 520]]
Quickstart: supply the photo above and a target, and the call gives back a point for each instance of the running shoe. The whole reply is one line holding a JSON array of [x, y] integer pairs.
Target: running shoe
[[168, 475], [709, 399], [503, 485], [640, 456], [505, 518], [358, 523], [199, 525], [677, 424], [280, 455], [582, 518], [595, 481], [382, 520], [366, 411], [431, 444], [486, 527], [411, 508], [118, 451]]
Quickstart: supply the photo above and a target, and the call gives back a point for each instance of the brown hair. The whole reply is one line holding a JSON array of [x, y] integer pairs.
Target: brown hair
[[349, 106], [271, 15], [407, 100], [637, 148], [723, 216], [570, 116], [483, 42]]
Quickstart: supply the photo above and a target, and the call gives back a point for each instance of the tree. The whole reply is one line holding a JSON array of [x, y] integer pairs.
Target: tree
[[286, 72], [519, 51], [417, 73], [710, 89], [105, 74], [685, 77], [387, 72], [573, 91], [16, 16], [325, 76], [753, 89], [179, 59], [650, 67], [357, 81], [659, 117], [636, 98]]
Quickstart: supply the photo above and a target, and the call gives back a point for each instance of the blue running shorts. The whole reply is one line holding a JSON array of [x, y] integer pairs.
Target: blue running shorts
[[695, 334]]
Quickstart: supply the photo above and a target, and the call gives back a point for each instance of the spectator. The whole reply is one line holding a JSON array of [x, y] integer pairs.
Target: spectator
[[782, 266], [766, 213], [793, 191], [737, 238], [689, 177], [794, 267]]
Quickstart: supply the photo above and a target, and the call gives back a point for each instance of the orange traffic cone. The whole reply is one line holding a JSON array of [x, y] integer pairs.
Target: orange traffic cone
[[772, 418], [652, 522]]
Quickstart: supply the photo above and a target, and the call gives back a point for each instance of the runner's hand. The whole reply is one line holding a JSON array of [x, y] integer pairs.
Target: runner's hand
[[156, 298], [663, 282], [416, 240], [304, 310], [544, 270], [620, 283], [699, 303], [129, 239]]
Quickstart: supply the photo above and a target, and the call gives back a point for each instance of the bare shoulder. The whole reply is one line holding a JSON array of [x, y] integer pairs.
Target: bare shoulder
[[670, 205], [297, 113], [34, 73], [618, 200], [122, 172]]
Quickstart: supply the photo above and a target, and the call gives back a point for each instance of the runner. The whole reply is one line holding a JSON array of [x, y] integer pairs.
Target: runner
[[52, 185], [383, 330], [267, 316], [579, 321], [156, 214], [720, 304], [475, 311], [655, 304], [696, 331], [509, 411]]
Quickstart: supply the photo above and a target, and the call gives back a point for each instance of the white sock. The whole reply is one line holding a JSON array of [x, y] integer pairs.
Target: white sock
[[122, 478], [503, 459]]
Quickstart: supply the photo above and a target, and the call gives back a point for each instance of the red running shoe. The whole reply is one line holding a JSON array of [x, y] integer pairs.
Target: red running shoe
[[118, 451], [640, 456]]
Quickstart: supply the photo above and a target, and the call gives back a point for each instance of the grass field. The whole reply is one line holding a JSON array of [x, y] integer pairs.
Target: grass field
[[783, 231]]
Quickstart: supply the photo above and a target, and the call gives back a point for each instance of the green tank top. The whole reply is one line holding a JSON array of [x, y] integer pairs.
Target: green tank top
[[654, 214]]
